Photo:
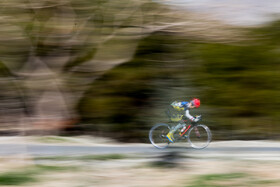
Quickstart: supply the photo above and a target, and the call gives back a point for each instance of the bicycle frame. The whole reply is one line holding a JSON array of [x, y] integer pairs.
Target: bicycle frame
[[193, 124], [186, 130]]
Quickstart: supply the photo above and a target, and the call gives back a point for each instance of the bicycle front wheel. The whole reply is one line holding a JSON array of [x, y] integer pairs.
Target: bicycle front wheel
[[158, 134], [199, 136]]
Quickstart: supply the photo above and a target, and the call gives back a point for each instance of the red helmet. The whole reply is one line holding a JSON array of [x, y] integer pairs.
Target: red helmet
[[196, 102]]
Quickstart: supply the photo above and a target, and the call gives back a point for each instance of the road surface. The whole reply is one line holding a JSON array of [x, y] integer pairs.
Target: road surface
[[231, 149]]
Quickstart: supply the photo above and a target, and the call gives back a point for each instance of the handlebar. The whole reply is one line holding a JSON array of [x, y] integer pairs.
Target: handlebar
[[198, 117]]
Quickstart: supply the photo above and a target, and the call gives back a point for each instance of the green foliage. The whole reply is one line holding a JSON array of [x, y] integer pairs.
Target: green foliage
[[226, 176], [229, 180], [50, 168], [239, 76], [16, 178], [55, 139], [218, 180], [241, 82], [28, 175], [82, 158], [103, 157]]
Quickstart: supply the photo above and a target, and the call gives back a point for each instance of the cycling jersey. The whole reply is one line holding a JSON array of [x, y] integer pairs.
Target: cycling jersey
[[184, 105]]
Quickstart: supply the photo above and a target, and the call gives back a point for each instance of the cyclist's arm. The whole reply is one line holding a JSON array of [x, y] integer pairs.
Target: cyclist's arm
[[189, 116]]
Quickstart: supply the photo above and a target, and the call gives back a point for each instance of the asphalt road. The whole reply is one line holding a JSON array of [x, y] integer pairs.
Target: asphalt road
[[240, 150]]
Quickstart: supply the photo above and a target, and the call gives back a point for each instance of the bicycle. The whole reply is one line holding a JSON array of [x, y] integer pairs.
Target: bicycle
[[198, 135]]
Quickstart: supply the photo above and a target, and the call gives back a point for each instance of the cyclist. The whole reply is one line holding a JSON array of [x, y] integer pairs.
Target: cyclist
[[184, 105]]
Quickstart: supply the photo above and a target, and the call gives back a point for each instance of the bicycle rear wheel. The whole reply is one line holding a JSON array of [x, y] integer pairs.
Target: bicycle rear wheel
[[157, 135], [199, 136]]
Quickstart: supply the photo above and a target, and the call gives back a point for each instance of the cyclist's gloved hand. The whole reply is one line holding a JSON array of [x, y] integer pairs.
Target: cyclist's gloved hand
[[197, 118]]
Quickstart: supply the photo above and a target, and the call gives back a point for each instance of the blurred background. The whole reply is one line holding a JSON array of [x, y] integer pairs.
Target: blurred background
[[83, 81], [111, 68]]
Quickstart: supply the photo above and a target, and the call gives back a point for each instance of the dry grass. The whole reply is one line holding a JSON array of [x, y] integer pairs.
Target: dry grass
[[137, 171]]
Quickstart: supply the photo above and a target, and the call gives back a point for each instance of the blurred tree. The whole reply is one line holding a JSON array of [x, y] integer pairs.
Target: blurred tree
[[128, 99], [122, 62]]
